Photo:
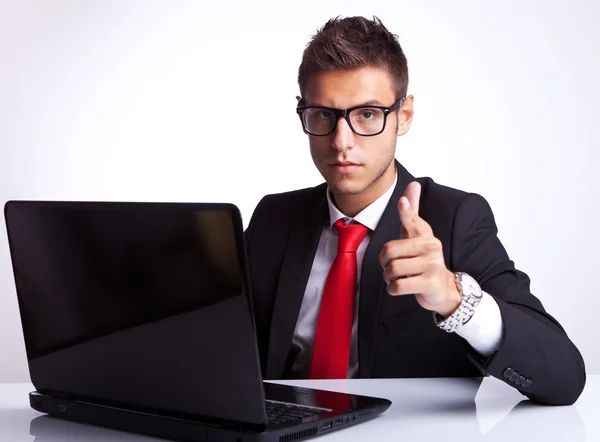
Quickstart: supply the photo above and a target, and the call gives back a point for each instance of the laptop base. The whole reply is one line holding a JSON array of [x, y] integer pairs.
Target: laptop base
[[177, 429]]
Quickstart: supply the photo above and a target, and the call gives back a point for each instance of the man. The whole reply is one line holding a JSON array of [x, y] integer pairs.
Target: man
[[377, 274]]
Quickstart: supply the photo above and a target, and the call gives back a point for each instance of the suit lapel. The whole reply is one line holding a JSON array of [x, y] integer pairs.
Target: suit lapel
[[372, 285], [295, 270]]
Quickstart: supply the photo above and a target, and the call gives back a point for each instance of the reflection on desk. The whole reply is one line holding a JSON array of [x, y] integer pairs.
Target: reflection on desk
[[422, 409]]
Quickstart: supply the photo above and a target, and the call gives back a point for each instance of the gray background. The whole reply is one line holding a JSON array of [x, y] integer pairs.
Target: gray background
[[194, 101]]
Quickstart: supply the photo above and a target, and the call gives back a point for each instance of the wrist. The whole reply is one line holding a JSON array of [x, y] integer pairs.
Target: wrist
[[470, 295], [453, 300]]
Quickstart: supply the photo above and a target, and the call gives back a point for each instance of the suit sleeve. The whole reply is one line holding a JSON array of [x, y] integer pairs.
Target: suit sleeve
[[535, 354]]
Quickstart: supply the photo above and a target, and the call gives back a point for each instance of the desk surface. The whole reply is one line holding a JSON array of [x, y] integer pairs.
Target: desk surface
[[462, 410]]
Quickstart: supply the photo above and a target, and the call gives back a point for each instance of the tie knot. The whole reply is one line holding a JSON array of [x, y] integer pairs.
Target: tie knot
[[349, 236]]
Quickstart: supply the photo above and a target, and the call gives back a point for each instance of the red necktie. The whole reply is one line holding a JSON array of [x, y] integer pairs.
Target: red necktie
[[331, 350]]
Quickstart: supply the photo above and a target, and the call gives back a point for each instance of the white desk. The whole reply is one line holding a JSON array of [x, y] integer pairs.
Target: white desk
[[422, 410]]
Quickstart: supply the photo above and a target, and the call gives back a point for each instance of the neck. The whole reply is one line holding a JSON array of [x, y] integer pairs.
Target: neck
[[352, 205]]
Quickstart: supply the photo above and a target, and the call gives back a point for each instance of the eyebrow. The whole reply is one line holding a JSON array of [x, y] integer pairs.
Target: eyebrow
[[366, 103], [371, 103]]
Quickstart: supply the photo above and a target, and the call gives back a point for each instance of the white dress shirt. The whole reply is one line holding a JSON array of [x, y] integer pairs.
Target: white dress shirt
[[483, 332]]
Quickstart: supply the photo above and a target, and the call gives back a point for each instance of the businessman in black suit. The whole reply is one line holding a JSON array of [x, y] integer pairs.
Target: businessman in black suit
[[376, 273]]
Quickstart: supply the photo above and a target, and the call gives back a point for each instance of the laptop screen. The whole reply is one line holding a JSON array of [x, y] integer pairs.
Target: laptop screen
[[85, 272]]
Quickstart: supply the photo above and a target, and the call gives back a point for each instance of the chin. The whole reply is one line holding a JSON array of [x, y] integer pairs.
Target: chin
[[346, 187]]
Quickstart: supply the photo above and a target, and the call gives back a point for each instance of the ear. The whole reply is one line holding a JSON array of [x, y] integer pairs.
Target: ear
[[405, 116], [299, 99]]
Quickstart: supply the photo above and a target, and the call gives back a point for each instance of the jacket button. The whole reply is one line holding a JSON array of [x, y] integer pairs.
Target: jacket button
[[508, 373], [521, 380], [514, 376], [527, 383]]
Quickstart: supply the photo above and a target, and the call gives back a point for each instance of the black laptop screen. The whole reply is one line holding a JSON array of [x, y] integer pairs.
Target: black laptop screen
[[86, 271]]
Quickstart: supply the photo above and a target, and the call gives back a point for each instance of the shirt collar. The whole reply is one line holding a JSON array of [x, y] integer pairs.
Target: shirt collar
[[369, 216]]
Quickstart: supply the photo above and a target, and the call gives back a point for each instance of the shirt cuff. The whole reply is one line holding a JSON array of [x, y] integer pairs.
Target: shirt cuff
[[484, 330]]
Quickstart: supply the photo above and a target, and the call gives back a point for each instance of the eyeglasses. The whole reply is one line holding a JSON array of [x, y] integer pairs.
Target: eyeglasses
[[366, 121]]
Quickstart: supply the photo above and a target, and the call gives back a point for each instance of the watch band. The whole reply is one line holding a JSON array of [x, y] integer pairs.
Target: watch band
[[471, 295]]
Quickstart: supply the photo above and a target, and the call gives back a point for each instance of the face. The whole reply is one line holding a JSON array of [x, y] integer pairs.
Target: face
[[356, 167]]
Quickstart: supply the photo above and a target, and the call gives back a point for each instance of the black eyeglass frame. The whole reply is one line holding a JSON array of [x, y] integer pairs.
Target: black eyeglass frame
[[345, 113]]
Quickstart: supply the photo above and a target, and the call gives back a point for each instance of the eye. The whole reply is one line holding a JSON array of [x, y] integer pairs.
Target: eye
[[367, 115], [325, 114]]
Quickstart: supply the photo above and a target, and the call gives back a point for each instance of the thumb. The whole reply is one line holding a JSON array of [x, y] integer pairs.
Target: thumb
[[413, 194], [408, 209], [407, 214]]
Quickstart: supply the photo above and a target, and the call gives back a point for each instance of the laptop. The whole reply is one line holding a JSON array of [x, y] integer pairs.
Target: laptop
[[138, 317]]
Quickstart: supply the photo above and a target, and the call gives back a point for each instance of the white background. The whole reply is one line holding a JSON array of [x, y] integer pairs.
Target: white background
[[194, 101]]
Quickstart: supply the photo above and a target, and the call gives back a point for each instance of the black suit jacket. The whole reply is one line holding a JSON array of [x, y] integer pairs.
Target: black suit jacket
[[397, 338]]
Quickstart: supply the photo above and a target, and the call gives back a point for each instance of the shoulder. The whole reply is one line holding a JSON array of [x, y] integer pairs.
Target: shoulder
[[287, 206], [438, 200], [433, 192], [293, 203], [296, 197]]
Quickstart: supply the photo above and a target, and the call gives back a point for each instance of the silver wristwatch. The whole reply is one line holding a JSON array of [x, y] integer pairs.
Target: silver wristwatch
[[471, 296]]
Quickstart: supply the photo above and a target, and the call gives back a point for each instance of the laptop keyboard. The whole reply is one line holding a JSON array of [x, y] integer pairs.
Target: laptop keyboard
[[280, 412]]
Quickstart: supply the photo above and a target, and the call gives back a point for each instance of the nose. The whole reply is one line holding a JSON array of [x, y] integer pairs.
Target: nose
[[343, 136]]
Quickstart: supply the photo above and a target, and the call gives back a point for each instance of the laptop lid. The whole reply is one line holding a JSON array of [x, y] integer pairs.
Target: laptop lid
[[144, 305]]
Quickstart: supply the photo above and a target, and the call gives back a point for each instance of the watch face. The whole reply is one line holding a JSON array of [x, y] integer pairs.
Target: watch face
[[470, 286]]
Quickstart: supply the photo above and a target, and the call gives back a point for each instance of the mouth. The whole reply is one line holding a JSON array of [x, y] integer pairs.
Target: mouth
[[345, 167]]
